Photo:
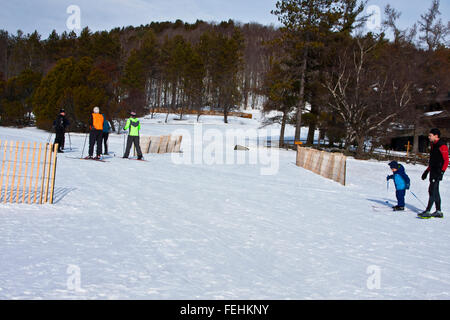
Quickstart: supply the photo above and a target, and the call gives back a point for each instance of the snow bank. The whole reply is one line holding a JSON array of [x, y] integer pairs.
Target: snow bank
[[160, 230]]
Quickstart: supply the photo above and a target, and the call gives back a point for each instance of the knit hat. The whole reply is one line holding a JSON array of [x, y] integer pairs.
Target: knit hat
[[133, 113], [61, 111], [96, 110], [393, 165], [436, 132]]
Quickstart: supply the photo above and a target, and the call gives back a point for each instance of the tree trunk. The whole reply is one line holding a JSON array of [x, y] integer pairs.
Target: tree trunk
[[360, 148], [321, 136], [113, 127], [311, 131], [172, 104], [348, 139], [301, 100], [225, 113], [283, 129]]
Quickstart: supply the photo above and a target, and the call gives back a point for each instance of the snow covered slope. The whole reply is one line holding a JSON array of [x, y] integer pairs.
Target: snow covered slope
[[164, 230]]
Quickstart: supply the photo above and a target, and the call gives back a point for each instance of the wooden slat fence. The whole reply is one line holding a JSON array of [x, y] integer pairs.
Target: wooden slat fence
[[27, 172], [329, 165], [160, 144]]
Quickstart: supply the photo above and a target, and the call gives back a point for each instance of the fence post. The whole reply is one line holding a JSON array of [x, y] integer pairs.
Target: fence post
[[345, 170], [47, 180], [31, 174], [24, 189], [319, 163], [38, 172], [177, 146], [3, 168], [43, 173], [55, 152], [7, 173], [168, 141], [159, 144], [331, 167], [20, 172], [11, 195]]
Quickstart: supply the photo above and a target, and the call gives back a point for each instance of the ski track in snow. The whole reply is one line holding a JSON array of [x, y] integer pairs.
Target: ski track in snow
[[158, 230]]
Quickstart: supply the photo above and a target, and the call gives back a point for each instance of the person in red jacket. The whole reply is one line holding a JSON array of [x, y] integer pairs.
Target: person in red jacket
[[437, 165]]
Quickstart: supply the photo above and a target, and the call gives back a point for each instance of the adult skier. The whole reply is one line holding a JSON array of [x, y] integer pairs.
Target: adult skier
[[438, 163], [60, 124], [105, 135], [96, 133], [134, 126]]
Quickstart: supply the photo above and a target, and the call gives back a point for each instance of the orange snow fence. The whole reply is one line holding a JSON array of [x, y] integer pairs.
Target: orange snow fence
[[27, 172]]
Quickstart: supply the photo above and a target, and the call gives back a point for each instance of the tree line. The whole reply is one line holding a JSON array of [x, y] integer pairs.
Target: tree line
[[319, 69], [172, 66]]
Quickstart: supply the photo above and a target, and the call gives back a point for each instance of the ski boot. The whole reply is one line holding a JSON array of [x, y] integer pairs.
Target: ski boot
[[437, 214], [398, 208], [425, 215]]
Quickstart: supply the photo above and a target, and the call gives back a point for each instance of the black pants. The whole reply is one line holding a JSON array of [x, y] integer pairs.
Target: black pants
[[105, 141], [59, 139], [133, 140], [95, 137], [435, 197]]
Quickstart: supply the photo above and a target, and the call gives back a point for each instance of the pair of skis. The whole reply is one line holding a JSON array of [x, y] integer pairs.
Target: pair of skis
[[388, 208], [103, 159], [87, 158]]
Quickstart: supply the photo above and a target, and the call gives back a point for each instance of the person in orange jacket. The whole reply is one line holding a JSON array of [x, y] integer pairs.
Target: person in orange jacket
[[96, 133]]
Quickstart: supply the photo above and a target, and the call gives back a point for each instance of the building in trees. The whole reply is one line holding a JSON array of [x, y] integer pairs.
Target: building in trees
[[434, 115]]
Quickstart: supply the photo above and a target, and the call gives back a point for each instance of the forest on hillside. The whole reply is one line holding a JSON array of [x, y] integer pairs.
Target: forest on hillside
[[318, 69]]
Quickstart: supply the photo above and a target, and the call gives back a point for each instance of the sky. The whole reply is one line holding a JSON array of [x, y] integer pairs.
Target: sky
[[47, 15]]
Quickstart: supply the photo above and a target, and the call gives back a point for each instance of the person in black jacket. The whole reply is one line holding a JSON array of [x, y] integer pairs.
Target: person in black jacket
[[437, 165], [60, 125]]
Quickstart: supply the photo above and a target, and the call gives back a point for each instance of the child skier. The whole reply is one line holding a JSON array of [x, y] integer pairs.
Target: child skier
[[402, 183]]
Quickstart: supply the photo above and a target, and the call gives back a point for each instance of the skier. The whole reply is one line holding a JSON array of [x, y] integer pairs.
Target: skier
[[402, 183], [438, 163], [96, 132], [60, 124], [105, 135], [134, 126]]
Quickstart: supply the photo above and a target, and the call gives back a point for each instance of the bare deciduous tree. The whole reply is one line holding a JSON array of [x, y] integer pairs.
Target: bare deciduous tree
[[363, 90]]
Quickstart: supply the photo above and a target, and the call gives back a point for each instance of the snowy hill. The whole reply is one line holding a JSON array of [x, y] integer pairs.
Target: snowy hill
[[172, 228]]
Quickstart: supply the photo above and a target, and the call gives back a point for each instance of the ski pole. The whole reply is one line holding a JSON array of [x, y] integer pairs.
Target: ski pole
[[123, 148], [49, 137], [417, 198], [82, 152], [70, 141]]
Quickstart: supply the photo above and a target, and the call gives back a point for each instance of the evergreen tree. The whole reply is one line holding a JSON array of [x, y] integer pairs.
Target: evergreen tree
[[306, 25], [280, 91], [16, 99], [77, 86]]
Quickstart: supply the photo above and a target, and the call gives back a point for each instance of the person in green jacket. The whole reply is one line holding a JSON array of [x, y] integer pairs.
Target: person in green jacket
[[133, 125]]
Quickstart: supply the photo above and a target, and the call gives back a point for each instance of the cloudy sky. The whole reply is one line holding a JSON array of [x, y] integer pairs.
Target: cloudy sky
[[46, 15]]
